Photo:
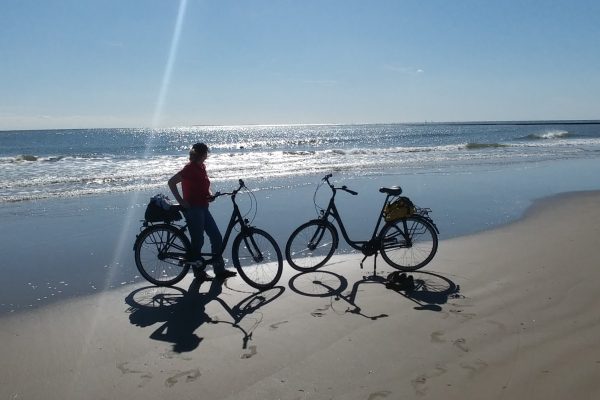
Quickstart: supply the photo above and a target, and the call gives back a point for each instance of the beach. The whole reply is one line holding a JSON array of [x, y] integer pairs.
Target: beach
[[505, 313]]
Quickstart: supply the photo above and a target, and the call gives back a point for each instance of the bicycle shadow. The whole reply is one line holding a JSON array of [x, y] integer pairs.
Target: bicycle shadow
[[182, 312], [429, 291]]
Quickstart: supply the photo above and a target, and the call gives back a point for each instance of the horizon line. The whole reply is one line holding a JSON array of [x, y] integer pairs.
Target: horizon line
[[433, 123]]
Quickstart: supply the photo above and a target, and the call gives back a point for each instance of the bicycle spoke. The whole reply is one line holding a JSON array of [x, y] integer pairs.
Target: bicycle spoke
[[160, 251], [310, 246], [257, 258], [408, 244]]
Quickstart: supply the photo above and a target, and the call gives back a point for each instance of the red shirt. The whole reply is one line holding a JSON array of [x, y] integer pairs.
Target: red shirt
[[195, 184]]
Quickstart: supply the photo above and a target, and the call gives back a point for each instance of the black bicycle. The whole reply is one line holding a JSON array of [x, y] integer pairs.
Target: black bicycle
[[407, 242], [163, 250]]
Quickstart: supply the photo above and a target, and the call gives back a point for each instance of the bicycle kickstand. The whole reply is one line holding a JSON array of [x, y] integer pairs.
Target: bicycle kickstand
[[374, 263]]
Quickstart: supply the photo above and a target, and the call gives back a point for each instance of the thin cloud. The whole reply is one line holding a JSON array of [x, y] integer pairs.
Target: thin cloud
[[323, 82], [403, 70]]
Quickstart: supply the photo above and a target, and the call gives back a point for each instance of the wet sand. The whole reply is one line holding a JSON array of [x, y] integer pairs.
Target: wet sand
[[507, 313]]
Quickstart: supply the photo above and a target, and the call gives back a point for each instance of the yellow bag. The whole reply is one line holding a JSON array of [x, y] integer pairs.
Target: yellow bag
[[402, 207]]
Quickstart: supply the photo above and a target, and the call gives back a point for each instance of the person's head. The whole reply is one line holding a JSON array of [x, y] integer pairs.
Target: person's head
[[198, 152]]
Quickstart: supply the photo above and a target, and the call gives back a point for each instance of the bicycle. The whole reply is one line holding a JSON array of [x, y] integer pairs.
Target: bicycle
[[163, 250], [408, 243]]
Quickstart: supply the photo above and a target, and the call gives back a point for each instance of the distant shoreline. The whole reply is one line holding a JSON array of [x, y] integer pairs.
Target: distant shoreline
[[424, 123]]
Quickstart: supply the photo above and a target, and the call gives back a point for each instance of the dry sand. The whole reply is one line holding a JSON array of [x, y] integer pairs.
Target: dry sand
[[506, 314]]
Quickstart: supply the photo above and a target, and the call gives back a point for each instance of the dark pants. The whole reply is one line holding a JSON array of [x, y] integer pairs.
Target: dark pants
[[199, 221]]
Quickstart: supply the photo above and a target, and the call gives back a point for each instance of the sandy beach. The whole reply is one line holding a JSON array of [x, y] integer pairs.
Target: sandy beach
[[507, 313]]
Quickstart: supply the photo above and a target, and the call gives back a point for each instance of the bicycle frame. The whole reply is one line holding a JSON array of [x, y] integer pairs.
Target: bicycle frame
[[334, 213], [406, 241]]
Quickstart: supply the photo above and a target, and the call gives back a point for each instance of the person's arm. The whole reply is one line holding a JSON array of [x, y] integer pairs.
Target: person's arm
[[173, 181]]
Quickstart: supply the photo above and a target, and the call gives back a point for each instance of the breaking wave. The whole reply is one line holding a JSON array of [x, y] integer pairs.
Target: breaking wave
[[475, 146], [549, 135]]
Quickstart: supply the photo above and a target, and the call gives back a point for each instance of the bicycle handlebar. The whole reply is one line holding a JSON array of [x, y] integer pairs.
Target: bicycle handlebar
[[218, 194], [344, 188]]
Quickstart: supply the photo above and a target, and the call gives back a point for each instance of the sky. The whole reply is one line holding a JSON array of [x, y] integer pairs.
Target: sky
[[155, 63]]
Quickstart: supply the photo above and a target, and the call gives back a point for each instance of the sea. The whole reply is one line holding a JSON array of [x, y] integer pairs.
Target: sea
[[71, 201], [46, 164]]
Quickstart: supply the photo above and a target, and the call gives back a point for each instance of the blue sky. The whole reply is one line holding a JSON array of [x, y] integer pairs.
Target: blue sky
[[105, 63]]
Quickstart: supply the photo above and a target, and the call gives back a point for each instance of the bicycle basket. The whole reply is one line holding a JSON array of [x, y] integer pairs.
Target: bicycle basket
[[402, 207], [159, 210]]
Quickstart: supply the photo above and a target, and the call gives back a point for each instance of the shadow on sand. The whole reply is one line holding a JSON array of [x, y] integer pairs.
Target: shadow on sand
[[183, 312], [428, 292]]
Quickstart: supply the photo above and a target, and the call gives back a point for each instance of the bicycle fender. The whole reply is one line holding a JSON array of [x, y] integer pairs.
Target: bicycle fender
[[333, 229], [427, 220]]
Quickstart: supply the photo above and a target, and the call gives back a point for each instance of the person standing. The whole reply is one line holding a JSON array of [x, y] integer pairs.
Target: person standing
[[195, 186]]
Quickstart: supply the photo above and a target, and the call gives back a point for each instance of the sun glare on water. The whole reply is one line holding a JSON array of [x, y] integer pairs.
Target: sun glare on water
[[125, 240]]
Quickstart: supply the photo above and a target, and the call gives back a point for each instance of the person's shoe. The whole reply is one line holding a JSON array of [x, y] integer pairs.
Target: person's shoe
[[225, 274], [201, 275], [409, 284]]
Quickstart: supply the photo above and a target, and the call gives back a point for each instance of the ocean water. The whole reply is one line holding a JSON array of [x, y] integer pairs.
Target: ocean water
[[73, 163]]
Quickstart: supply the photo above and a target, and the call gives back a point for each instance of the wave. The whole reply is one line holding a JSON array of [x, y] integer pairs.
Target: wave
[[549, 135], [298, 153], [20, 158], [476, 146], [30, 158], [28, 177]]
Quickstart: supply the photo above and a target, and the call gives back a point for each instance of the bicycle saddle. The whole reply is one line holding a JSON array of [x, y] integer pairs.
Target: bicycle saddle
[[392, 191]]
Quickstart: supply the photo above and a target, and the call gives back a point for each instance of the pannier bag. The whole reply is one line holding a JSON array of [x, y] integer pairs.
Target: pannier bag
[[402, 207], [160, 209]]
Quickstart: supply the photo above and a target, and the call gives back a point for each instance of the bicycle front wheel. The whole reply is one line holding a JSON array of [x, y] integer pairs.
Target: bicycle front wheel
[[160, 254], [311, 245], [408, 244], [257, 258]]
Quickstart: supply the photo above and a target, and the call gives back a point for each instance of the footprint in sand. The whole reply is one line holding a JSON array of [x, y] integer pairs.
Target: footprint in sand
[[274, 326], [436, 337], [190, 376], [125, 370], [419, 383], [145, 376], [379, 395], [461, 305], [252, 353], [461, 343], [319, 312], [169, 355], [474, 368], [463, 314]]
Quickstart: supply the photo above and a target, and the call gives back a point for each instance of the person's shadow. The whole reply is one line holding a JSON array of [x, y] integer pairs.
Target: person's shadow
[[183, 312]]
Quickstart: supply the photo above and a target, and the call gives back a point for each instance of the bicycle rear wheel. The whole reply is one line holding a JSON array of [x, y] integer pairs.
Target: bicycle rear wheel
[[311, 245], [408, 244], [257, 258], [160, 254]]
